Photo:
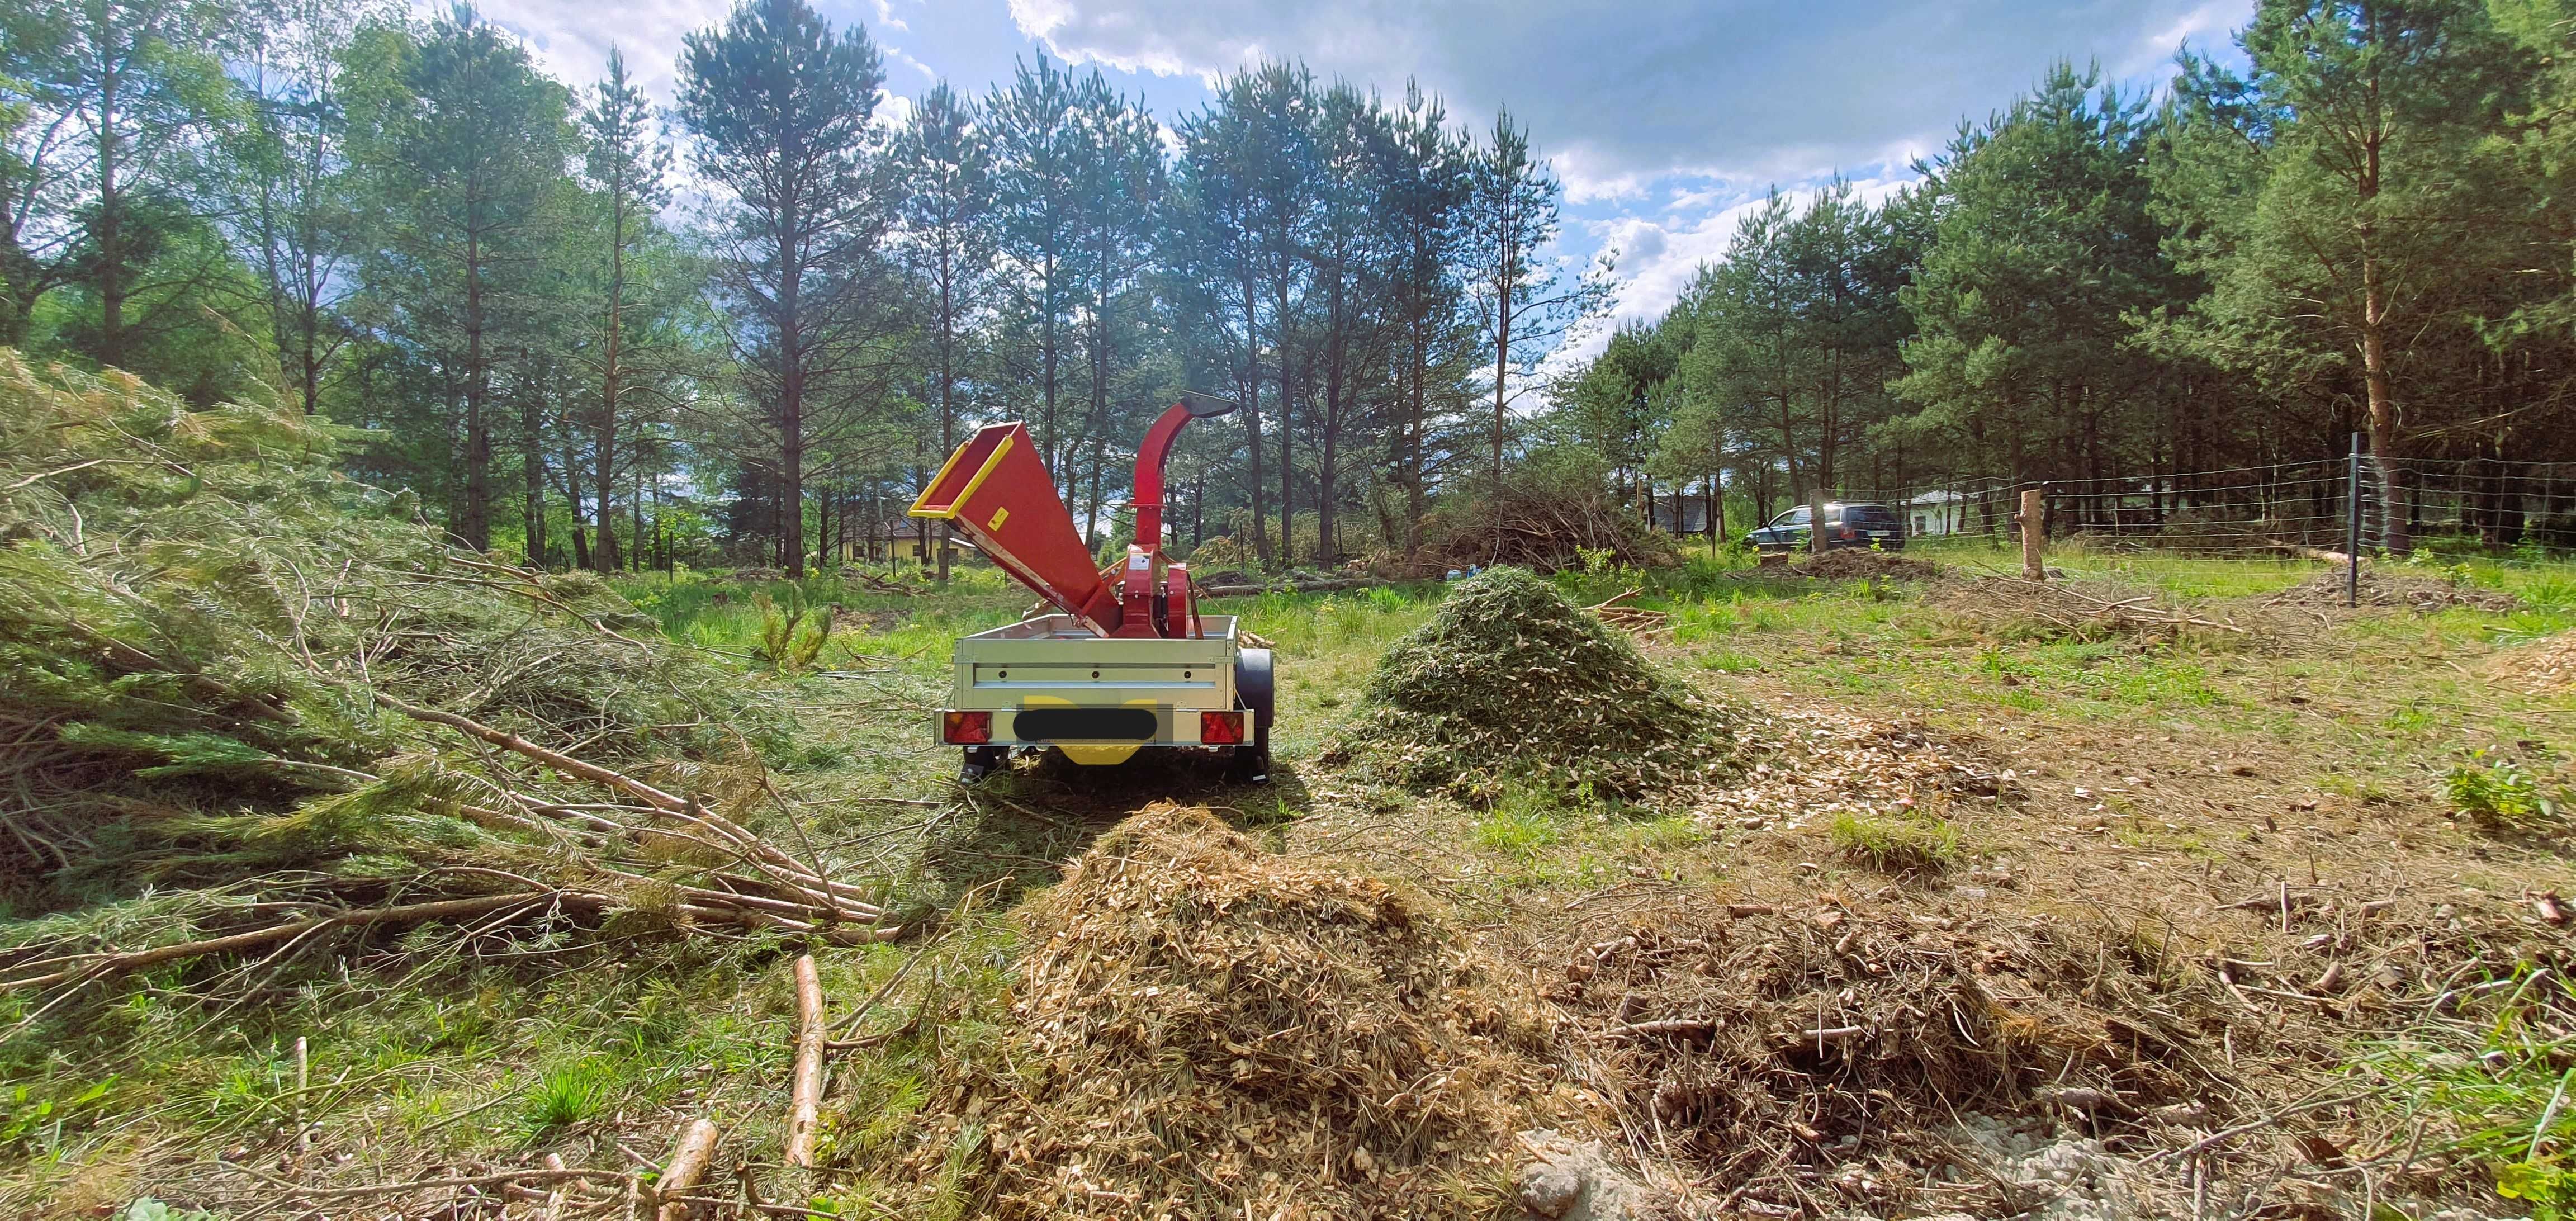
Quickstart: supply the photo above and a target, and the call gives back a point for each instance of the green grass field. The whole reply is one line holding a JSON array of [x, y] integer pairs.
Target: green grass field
[[2351, 719]]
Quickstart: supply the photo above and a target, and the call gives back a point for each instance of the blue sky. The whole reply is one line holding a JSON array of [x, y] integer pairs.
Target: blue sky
[[1665, 118]]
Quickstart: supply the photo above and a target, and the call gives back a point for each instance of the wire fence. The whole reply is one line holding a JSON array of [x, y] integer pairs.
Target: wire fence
[[2487, 509]]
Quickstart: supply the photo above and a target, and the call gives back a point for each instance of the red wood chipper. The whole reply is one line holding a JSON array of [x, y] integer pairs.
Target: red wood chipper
[[1126, 660]]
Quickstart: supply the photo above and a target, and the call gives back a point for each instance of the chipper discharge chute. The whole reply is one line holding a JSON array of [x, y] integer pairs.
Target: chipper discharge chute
[[1126, 660]]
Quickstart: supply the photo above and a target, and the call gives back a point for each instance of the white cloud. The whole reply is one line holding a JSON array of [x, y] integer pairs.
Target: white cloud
[[898, 55], [571, 40], [1658, 258], [894, 111], [1621, 95], [2202, 29]]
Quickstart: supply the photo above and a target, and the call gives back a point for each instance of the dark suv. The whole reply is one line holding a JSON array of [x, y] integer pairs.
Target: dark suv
[[1858, 524]]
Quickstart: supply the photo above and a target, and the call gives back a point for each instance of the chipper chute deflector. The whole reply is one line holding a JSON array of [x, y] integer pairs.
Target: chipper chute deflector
[[1126, 661]]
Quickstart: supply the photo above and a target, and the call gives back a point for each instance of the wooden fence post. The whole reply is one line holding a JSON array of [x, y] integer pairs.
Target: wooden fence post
[[2034, 507]]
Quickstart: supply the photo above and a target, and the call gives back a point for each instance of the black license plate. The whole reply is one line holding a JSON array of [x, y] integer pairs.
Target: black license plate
[[1084, 725]]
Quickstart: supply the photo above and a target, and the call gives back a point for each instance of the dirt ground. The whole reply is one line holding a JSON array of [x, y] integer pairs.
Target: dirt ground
[[2157, 895], [2171, 929], [2252, 929]]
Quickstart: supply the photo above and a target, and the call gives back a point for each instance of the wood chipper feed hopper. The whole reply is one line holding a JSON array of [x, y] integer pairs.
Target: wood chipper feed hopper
[[1126, 661]]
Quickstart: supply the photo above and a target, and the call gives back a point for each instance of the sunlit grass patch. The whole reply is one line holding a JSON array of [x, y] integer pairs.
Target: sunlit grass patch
[[2501, 1097], [1896, 844], [1517, 831], [567, 1094]]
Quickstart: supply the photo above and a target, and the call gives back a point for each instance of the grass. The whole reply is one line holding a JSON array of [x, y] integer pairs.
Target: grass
[[1521, 824], [2502, 1096], [1896, 844], [567, 1094], [2386, 704], [2383, 709], [2503, 792]]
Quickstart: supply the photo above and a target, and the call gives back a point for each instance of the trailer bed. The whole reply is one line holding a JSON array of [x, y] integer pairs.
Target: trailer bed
[[1073, 688]]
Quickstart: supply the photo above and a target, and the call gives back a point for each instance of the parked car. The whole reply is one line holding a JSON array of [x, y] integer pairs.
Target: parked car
[[1856, 524]]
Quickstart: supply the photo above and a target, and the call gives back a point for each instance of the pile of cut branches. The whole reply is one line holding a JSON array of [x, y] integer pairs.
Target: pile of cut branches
[[1203, 1028], [273, 708], [1552, 513], [1510, 681], [2379, 586], [1641, 620], [2058, 608]]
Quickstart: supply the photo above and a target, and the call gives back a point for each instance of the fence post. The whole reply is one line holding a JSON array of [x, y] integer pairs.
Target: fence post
[[2352, 528], [2034, 508]]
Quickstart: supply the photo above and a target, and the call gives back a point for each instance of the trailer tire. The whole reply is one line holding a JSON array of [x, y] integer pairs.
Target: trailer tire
[[1253, 689], [982, 761]]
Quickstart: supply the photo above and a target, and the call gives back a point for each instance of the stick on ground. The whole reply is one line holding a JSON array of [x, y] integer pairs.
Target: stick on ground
[[805, 1097], [444, 909], [688, 1164]]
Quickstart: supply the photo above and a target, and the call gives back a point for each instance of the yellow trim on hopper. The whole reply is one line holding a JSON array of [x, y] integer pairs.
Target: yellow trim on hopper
[[933, 486], [999, 451], [957, 503]]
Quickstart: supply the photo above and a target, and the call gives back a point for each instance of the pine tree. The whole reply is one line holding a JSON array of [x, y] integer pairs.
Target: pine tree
[[2356, 226], [470, 152], [2042, 251], [780, 110], [626, 163], [1523, 304], [946, 163]]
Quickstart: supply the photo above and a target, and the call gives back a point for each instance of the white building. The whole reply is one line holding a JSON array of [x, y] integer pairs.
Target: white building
[[1937, 513]]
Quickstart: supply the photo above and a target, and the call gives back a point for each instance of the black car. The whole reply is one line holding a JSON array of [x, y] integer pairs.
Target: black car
[[1856, 524]]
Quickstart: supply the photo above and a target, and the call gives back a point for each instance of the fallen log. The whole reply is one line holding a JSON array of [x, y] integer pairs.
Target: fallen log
[[687, 1166], [2311, 553], [805, 1093], [1328, 585], [405, 913]]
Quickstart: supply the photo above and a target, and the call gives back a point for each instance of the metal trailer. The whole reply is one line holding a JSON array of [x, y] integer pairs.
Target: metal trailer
[[1049, 681], [1125, 662]]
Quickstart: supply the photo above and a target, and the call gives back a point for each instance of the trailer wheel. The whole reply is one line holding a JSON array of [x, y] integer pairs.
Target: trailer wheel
[[1253, 690], [982, 761]]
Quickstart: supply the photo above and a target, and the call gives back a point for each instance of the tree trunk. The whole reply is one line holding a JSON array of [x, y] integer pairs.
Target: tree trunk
[[108, 230], [2374, 336], [1789, 451], [1328, 451], [1047, 357], [1502, 368], [1287, 436], [309, 304], [1413, 461], [1252, 421], [791, 417], [604, 437], [947, 382], [532, 471], [475, 525], [2383, 409]]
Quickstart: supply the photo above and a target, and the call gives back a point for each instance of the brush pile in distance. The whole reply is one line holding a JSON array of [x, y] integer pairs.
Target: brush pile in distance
[[1510, 681], [1854, 564], [2382, 587], [1202, 1029]]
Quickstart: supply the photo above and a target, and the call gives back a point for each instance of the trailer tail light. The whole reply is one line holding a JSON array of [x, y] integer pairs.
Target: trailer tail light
[[966, 728], [1221, 728]]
